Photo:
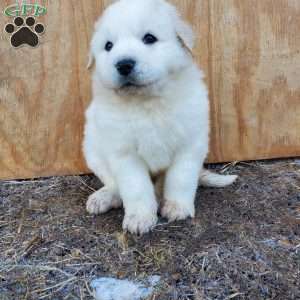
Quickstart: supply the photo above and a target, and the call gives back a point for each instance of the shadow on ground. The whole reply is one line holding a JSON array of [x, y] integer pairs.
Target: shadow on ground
[[243, 244]]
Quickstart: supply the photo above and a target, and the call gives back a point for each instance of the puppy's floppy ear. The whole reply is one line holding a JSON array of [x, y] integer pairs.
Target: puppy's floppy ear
[[185, 34], [93, 44], [91, 60], [183, 30]]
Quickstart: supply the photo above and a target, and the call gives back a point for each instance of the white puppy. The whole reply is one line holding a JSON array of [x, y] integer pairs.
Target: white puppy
[[149, 115]]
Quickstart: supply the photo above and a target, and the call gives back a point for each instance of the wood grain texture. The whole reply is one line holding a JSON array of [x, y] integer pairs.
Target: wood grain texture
[[43, 93], [254, 71], [248, 49]]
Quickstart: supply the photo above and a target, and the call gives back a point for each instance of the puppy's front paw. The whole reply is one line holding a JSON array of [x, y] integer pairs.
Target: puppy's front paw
[[139, 223], [102, 201], [175, 211]]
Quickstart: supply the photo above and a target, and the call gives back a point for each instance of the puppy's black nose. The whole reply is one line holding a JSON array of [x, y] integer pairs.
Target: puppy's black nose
[[125, 66]]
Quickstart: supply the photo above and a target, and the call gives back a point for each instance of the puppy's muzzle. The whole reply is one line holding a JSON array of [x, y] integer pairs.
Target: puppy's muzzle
[[125, 67]]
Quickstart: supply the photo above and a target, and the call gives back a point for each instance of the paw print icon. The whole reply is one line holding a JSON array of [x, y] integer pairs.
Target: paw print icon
[[24, 32]]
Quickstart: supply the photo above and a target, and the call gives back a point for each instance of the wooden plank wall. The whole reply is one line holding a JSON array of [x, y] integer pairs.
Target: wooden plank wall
[[249, 50]]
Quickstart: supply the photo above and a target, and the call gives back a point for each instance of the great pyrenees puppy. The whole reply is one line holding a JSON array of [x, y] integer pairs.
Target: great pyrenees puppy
[[149, 115]]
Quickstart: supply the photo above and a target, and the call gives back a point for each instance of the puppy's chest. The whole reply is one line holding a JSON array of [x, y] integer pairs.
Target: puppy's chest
[[156, 139]]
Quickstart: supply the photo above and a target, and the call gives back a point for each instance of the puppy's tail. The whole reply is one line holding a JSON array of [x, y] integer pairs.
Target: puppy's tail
[[208, 178]]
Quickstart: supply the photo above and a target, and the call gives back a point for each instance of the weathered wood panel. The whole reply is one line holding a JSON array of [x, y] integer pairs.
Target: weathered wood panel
[[249, 50], [43, 92], [254, 74]]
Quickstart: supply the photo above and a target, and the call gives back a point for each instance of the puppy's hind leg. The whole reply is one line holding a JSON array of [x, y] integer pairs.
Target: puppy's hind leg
[[102, 201], [107, 197]]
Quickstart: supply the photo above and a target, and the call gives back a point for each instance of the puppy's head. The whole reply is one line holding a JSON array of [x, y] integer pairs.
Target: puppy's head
[[139, 44]]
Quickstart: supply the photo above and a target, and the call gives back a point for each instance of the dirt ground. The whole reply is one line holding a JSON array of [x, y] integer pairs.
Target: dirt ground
[[243, 244]]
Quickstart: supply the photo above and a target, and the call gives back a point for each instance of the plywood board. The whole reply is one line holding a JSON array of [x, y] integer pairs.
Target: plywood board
[[43, 93], [248, 49], [254, 63]]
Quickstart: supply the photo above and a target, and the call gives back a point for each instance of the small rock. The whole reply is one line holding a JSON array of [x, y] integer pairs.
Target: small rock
[[297, 162], [176, 276], [76, 253], [116, 289]]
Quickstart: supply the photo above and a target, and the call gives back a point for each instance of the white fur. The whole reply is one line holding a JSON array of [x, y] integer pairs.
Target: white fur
[[163, 125]]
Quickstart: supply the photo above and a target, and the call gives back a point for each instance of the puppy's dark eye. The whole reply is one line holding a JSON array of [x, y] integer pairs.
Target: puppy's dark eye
[[149, 39], [108, 46]]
